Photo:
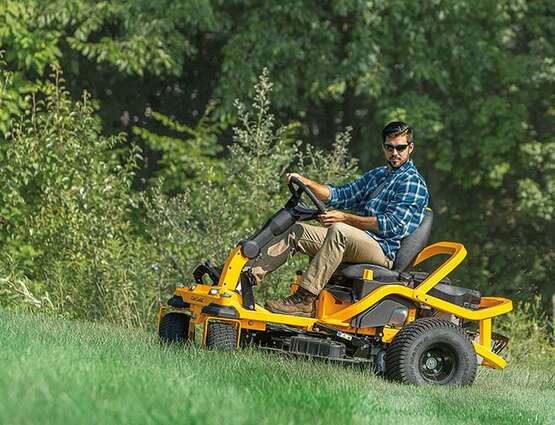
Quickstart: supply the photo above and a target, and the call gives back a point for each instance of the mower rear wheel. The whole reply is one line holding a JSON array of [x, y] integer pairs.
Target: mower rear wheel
[[174, 328], [431, 351], [221, 336]]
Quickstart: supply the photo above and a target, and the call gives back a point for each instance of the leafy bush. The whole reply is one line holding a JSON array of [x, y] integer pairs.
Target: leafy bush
[[530, 333], [187, 151], [66, 235]]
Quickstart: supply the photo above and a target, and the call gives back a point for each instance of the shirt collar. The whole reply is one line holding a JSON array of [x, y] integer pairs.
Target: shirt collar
[[400, 169]]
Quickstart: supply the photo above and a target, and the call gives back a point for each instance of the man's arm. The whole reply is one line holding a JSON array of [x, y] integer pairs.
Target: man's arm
[[358, 221], [321, 191], [344, 197], [411, 196]]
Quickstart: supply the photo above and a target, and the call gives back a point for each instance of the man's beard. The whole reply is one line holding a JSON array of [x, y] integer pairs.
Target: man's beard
[[399, 163]]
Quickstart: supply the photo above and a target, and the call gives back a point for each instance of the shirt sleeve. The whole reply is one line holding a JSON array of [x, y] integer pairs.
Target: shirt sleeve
[[411, 197], [349, 196]]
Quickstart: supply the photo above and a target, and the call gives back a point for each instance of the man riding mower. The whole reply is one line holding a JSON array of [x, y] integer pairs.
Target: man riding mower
[[359, 301]]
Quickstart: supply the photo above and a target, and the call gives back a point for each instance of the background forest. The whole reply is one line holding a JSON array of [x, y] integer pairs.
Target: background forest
[[127, 159]]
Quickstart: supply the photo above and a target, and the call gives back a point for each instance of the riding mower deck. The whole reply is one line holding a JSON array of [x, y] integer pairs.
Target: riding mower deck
[[413, 327]]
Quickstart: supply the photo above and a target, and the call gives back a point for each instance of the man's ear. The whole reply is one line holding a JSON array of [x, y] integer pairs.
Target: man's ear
[[411, 148]]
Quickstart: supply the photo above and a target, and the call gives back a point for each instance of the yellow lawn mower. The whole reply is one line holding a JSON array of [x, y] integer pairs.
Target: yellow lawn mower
[[411, 326]]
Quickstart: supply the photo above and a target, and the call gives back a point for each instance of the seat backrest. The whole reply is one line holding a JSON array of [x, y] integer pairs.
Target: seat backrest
[[414, 243]]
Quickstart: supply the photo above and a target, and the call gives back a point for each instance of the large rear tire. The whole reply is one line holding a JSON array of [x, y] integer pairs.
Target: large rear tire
[[174, 328], [431, 351], [221, 336]]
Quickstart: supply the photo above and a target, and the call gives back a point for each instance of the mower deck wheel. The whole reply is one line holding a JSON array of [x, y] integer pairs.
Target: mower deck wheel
[[174, 328], [431, 351], [221, 336]]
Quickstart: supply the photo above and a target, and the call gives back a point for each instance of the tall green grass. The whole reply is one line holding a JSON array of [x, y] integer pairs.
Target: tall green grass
[[55, 371]]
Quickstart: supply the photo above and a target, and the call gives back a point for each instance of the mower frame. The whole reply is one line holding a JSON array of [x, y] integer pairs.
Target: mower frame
[[222, 302]]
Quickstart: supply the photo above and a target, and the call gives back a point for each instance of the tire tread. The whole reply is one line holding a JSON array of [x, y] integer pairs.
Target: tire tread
[[222, 336], [396, 366], [174, 328]]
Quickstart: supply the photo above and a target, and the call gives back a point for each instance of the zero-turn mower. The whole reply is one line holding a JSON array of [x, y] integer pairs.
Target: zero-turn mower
[[411, 326]]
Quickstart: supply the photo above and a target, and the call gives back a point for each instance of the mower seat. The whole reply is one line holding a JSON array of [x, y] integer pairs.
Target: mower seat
[[347, 283], [410, 247], [348, 272]]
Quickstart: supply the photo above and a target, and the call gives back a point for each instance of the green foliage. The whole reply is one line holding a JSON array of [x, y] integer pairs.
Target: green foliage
[[530, 332], [9, 102], [70, 247], [132, 37], [536, 193], [65, 213], [475, 78], [183, 160]]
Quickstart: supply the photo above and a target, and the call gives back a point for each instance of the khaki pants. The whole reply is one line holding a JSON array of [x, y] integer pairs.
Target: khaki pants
[[326, 246]]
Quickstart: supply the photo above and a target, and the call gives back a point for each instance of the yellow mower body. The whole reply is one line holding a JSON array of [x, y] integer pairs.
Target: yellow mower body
[[226, 304]]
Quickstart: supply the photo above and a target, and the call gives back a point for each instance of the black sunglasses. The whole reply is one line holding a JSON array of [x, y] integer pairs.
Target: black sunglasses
[[398, 148]]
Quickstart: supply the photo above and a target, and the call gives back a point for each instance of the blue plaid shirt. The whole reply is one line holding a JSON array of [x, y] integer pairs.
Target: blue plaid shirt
[[399, 207]]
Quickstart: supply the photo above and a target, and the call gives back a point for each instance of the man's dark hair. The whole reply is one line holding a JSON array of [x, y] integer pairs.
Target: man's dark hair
[[397, 128]]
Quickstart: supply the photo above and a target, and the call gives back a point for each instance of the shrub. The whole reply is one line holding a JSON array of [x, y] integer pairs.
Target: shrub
[[66, 234], [530, 333]]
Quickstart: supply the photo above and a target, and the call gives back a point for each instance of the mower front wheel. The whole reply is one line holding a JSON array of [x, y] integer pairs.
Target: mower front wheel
[[431, 351], [174, 328], [221, 335]]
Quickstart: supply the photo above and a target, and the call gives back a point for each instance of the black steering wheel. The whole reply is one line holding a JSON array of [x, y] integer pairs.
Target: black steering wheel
[[304, 212]]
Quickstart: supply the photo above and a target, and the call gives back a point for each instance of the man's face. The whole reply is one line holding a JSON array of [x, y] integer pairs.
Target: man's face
[[397, 150]]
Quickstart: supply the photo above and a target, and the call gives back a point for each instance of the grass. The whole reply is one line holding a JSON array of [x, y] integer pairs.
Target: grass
[[55, 371]]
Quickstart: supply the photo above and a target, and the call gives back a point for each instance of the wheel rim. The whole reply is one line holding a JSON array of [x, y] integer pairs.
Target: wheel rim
[[438, 364]]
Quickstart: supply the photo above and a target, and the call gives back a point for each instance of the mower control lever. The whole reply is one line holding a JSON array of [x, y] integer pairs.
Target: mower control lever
[[282, 220], [301, 187]]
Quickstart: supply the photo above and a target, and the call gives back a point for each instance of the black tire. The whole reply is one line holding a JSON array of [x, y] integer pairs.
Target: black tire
[[431, 351], [174, 328], [221, 336]]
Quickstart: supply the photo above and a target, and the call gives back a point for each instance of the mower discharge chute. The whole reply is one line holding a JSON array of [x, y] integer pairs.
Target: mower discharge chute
[[414, 327]]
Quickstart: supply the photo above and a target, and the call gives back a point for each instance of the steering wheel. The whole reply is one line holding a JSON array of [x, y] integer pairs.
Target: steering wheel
[[297, 192]]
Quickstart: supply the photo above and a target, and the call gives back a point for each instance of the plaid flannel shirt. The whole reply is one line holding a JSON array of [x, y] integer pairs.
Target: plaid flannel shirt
[[399, 207]]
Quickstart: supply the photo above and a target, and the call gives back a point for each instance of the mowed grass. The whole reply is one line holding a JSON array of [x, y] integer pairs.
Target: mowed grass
[[55, 371]]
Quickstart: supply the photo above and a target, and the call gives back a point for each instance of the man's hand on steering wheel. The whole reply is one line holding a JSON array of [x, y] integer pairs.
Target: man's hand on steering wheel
[[303, 212], [288, 176], [327, 218], [330, 217]]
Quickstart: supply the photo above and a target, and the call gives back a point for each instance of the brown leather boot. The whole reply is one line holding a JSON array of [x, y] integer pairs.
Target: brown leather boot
[[301, 303]]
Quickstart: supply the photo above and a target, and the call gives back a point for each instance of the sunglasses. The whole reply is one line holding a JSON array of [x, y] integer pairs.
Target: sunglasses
[[398, 148]]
